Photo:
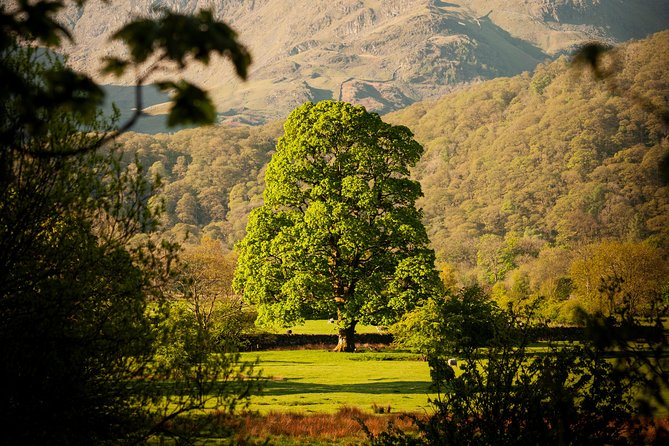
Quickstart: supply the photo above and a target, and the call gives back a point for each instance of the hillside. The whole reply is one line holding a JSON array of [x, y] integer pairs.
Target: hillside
[[381, 54], [552, 154], [522, 176]]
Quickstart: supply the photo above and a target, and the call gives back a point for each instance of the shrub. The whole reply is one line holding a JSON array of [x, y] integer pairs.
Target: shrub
[[450, 324], [509, 395]]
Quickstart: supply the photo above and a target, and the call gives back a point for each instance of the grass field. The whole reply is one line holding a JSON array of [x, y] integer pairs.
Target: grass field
[[319, 381], [316, 397], [311, 381]]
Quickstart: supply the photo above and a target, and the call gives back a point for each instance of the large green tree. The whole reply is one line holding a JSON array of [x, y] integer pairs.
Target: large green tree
[[338, 232]]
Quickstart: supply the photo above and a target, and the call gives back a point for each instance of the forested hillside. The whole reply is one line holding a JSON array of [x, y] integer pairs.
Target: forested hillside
[[521, 176], [551, 153], [529, 172], [211, 177]]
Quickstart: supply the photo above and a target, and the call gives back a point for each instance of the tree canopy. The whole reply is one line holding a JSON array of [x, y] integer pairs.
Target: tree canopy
[[338, 232]]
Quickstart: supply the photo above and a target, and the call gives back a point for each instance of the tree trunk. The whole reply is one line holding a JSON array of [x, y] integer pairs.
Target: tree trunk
[[346, 339]]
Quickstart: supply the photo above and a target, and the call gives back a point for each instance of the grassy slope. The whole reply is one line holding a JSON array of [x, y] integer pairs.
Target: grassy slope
[[320, 381]]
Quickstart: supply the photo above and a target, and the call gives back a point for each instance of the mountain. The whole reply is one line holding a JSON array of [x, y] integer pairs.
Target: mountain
[[523, 177], [384, 54]]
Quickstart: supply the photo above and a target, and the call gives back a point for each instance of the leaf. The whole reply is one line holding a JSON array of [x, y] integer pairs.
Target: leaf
[[590, 56], [191, 105], [114, 65], [141, 38], [177, 38], [72, 90], [39, 21]]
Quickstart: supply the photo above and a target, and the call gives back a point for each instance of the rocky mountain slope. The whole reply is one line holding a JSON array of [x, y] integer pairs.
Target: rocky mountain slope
[[384, 54]]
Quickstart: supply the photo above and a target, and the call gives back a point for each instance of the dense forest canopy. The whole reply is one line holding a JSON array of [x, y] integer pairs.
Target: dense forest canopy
[[552, 153], [212, 176], [519, 174]]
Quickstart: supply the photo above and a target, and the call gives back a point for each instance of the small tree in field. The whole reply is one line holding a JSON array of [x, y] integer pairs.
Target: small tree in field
[[205, 288], [339, 231]]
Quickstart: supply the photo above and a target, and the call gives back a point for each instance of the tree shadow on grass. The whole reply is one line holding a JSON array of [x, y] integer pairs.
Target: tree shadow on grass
[[291, 387], [285, 361], [160, 388]]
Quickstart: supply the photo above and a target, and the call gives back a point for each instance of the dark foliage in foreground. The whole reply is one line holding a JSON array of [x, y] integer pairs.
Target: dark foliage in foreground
[[592, 392], [87, 335]]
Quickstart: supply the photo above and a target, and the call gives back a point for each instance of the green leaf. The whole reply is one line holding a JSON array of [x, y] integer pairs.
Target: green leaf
[[179, 38], [72, 90], [38, 22], [114, 65], [191, 105], [141, 38]]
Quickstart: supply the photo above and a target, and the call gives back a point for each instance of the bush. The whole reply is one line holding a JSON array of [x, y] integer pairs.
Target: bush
[[510, 395], [450, 324]]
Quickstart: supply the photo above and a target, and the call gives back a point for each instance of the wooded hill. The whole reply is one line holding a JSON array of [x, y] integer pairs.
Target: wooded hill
[[552, 154], [551, 183], [212, 176], [520, 175]]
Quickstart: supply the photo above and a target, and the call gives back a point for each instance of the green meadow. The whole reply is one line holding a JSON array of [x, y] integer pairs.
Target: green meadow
[[320, 381], [312, 381]]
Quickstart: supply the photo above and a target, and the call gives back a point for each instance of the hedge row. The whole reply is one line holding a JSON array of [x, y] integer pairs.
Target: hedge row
[[576, 334], [272, 341]]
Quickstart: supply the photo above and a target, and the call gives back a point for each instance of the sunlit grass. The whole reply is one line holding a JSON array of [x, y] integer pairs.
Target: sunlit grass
[[316, 391], [309, 381], [314, 381]]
